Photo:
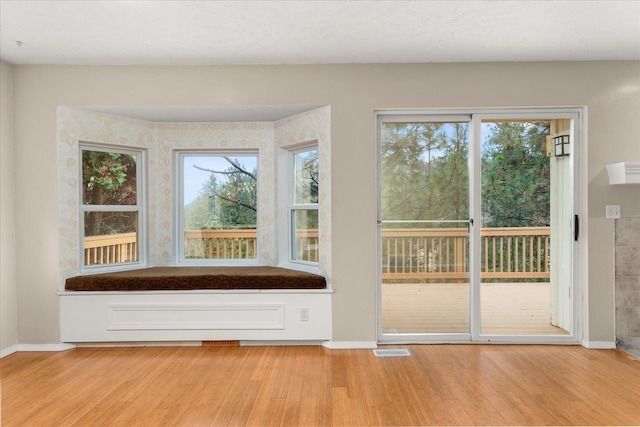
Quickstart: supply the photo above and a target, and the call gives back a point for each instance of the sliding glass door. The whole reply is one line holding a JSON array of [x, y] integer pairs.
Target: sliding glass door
[[475, 227]]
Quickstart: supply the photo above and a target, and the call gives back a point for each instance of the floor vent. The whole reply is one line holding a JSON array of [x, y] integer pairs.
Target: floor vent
[[220, 343], [392, 352]]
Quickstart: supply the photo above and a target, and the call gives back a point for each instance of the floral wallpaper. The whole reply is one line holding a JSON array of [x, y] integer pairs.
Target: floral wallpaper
[[161, 140], [314, 125], [74, 126], [250, 135]]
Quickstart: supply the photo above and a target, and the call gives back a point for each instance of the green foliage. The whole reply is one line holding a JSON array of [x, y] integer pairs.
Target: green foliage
[[515, 175], [424, 171], [203, 213], [109, 179], [238, 201], [227, 200], [306, 177], [425, 177]]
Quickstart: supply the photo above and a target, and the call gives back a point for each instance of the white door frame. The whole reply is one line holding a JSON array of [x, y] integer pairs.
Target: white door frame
[[476, 116]]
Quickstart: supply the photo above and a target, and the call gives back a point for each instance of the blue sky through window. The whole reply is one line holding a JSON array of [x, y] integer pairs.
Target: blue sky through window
[[194, 179]]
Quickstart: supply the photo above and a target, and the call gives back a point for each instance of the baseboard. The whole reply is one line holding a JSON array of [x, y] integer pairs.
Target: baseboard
[[45, 347], [8, 351], [347, 345], [599, 345]]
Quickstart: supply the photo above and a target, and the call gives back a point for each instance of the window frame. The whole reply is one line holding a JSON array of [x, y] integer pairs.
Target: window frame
[[141, 207], [178, 219], [293, 207], [476, 117]]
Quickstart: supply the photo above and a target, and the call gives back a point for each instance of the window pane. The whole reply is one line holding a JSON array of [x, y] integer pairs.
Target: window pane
[[424, 255], [425, 171], [305, 235], [109, 178], [110, 237], [220, 206], [306, 177]]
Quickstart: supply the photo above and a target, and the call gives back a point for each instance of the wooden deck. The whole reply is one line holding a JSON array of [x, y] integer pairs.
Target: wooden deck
[[507, 308]]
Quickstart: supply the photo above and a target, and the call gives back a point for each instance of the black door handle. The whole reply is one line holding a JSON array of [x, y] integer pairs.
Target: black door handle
[[576, 227]]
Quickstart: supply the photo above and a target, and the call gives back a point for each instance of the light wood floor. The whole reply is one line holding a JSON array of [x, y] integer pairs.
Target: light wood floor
[[314, 386], [507, 308]]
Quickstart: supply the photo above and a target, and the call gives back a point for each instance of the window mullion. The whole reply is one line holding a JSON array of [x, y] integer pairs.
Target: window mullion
[[308, 206], [110, 208]]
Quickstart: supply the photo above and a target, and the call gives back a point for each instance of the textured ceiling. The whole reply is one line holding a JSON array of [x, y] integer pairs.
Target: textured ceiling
[[312, 32]]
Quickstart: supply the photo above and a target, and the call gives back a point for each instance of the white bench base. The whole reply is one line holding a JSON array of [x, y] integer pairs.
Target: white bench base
[[251, 315]]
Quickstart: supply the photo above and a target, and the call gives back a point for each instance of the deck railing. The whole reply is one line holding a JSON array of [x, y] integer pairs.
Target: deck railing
[[220, 244], [110, 249], [515, 252], [506, 253], [307, 245]]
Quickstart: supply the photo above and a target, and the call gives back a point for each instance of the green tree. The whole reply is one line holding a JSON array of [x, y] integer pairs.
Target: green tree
[[424, 171], [203, 213], [449, 180], [515, 175], [228, 202], [108, 179], [307, 177]]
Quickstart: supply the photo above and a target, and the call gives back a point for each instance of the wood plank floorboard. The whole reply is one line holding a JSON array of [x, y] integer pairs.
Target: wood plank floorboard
[[314, 386], [506, 308]]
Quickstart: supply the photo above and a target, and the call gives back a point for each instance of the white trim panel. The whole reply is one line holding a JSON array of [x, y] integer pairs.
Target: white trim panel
[[187, 316], [348, 345], [136, 317]]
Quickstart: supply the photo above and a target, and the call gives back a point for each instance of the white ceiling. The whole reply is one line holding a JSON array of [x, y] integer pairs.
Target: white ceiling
[[312, 32], [129, 32], [202, 113]]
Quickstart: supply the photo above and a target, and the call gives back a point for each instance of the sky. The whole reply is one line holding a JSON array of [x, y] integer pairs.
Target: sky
[[193, 178]]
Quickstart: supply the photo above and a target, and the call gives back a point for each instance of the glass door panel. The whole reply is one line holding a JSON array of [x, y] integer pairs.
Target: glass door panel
[[424, 211], [516, 290]]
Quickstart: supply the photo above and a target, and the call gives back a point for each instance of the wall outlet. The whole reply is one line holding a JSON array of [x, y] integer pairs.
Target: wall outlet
[[613, 212], [304, 314]]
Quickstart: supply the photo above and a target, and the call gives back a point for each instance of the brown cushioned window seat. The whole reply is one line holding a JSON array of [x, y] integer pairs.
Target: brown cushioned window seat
[[192, 278]]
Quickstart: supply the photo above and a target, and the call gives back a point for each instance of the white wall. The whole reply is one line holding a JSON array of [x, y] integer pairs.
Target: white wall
[[610, 90], [8, 288]]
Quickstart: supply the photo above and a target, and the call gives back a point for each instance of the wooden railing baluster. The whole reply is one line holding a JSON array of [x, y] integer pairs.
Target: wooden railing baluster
[[507, 253], [504, 253]]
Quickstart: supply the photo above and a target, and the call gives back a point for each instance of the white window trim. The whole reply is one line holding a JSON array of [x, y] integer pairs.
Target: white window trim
[[141, 207], [178, 208], [287, 206]]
